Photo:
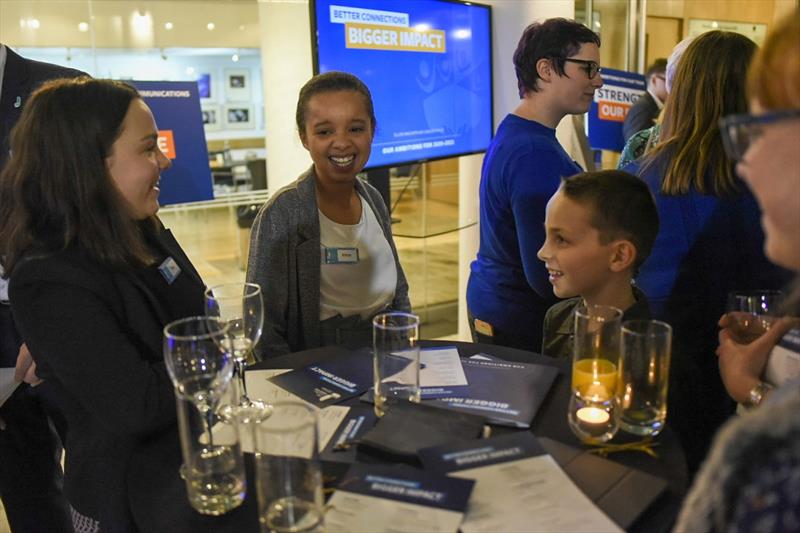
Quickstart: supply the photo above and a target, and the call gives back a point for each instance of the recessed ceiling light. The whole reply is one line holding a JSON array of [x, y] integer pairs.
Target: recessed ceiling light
[[83, 27], [210, 26], [168, 25], [235, 58]]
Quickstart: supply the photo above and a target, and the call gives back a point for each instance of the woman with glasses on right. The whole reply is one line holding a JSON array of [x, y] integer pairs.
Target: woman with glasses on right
[[751, 481]]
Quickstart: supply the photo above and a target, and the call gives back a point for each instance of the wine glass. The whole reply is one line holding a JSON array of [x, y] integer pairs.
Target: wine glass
[[752, 313], [239, 305], [197, 363]]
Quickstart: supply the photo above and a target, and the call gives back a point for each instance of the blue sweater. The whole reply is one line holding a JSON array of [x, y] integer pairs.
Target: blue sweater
[[508, 285]]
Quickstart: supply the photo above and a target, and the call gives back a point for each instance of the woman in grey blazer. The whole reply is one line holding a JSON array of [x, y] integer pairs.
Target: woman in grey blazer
[[321, 248]]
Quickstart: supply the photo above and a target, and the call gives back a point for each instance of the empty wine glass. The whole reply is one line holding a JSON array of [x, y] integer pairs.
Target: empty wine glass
[[239, 305], [197, 363]]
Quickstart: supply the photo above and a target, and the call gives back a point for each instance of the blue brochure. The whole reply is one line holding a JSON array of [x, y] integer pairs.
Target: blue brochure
[[485, 452], [385, 498], [505, 393], [329, 382], [342, 447]]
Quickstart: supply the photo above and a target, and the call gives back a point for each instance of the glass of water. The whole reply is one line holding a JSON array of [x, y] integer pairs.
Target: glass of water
[[644, 376], [288, 472], [395, 359]]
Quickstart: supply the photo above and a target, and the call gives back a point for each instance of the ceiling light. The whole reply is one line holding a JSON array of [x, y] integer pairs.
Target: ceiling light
[[168, 25], [210, 26], [235, 58], [83, 27]]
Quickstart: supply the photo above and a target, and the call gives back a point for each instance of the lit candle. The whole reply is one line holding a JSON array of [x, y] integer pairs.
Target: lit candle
[[592, 415]]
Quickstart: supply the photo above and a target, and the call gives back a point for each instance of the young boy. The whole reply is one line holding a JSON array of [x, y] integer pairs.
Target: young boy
[[600, 226]]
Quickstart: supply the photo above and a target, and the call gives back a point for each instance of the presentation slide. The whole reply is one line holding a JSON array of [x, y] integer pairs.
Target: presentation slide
[[427, 64]]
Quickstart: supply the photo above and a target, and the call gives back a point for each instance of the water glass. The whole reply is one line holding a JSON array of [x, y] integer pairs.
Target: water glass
[[288, 472], [644, 376], [752, 313], [593, 412], [395, 359], [213, 465]]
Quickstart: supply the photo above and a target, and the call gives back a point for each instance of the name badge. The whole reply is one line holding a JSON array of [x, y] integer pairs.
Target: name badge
[[339, 256], [169, 269]]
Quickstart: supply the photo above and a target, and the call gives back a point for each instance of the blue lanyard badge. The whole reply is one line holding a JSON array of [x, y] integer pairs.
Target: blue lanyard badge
[[340, 256], [169, 269]]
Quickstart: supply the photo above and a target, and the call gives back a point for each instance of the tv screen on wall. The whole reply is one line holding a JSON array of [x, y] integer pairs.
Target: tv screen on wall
[[427, 64]]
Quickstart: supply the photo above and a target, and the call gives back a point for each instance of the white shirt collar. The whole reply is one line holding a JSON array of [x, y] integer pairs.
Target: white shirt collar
[[658, 102]]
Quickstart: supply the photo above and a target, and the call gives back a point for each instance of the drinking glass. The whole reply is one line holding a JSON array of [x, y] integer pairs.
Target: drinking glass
[[593, 412], [288, 472], [644, 376], [240, 306], [201, 369], [752, 313], [395, 359]]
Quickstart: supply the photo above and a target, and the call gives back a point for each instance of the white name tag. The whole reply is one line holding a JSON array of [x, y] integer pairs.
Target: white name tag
[[338, 256], [169, 269]]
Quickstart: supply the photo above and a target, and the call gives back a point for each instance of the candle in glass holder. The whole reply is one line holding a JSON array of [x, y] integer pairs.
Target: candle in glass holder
[[592, 413]]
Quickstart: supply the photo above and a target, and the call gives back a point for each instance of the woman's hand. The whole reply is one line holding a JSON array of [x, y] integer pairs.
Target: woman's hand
[[25, 369], [741, 365]]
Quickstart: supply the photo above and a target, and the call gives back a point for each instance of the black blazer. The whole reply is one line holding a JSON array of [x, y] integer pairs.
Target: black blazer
[[96, 336], [20, 78], [641, 116]]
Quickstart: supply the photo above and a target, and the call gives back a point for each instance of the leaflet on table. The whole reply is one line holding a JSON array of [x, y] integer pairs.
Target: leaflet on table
[[517, 487], [441, 373], [382, 498], [328, 382], [341, 447], [783, 363], [506, 393], [259, 387]]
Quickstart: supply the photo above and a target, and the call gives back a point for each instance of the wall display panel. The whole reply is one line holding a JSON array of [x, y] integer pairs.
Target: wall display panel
[[237, 85], [427, 64]]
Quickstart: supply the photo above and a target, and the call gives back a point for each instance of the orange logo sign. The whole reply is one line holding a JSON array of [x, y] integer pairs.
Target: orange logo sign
[[613, 111], [166, 143]]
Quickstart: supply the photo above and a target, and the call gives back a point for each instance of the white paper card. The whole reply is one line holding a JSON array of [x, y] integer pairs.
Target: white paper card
[[442, 368], [348, 512], [531, 494]]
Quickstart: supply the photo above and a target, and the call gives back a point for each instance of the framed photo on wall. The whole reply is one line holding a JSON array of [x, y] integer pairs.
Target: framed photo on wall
[[239, 117], [204, 87], [237, 85], [212, 117]]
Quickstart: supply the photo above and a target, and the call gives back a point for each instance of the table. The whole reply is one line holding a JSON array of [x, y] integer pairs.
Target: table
[[158, 497]]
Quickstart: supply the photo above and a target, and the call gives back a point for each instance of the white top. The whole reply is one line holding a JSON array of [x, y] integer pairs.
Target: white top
[[353, 284]]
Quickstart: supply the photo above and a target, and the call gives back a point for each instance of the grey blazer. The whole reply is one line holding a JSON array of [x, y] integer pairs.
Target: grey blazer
[[285, 261]]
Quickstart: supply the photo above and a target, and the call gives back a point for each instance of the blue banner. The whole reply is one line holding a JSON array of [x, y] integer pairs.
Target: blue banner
[[176, 108], [612, 101]]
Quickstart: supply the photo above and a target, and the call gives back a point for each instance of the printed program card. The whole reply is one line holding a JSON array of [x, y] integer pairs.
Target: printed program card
[[517, 487]]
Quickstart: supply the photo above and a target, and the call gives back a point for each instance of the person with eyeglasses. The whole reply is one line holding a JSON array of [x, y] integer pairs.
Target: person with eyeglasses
[[557, 63], [710, 242], [751, 481], [643, 113]]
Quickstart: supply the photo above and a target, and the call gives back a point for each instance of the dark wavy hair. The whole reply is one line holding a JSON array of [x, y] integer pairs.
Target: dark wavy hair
[[328, 82], [621, 206], [56, 189], [555, 39]]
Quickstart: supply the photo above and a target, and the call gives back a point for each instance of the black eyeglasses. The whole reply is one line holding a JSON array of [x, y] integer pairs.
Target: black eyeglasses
[[590, 67], [740, 131]]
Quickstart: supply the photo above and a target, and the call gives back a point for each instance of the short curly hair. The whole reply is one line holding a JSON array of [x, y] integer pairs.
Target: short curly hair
[[555, 39]]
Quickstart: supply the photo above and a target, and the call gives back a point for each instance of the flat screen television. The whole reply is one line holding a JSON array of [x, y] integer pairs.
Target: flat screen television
[[428, 65]]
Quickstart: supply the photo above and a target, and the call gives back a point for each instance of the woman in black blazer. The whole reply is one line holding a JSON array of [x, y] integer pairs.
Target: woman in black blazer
[[94, 279]]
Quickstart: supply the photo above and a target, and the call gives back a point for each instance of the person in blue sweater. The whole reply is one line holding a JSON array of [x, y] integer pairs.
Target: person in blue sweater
[[710, 241], [557, 66]]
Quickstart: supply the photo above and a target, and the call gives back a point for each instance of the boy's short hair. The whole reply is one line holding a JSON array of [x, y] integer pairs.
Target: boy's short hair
[[555, 39], [622, 207], [659, 66]]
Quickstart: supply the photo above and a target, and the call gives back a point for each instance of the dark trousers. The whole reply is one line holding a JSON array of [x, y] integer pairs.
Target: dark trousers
[[31, 478], [512, 339]]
